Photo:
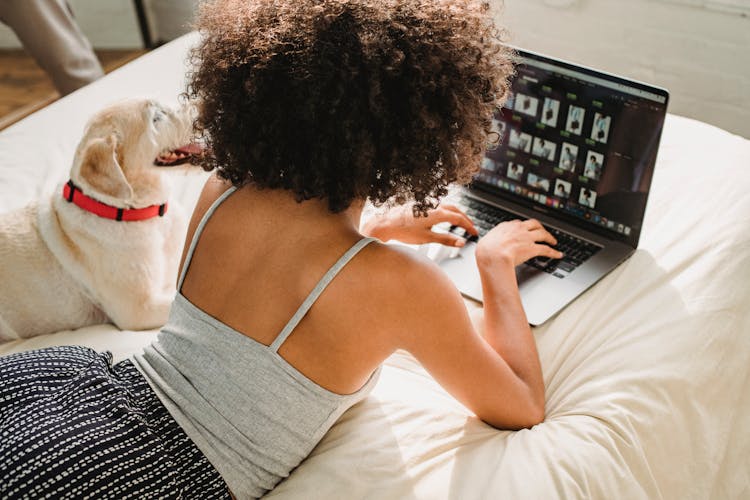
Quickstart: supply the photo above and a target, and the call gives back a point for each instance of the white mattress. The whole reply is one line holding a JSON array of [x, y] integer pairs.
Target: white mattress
[[647, 374]]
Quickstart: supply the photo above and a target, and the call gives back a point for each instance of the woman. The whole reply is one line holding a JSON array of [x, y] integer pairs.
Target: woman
[[285, 310]]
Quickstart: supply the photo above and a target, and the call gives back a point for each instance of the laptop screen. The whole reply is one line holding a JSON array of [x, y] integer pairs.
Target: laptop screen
[[576, 142]]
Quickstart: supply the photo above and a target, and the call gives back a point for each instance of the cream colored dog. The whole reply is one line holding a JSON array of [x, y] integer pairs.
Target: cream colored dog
[[106, 247]]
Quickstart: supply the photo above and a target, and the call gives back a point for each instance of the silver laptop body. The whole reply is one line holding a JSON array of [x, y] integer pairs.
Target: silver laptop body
[[577, 152]]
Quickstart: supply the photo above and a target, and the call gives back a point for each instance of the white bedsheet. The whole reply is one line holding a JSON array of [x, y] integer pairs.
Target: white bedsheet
[[647, 374]]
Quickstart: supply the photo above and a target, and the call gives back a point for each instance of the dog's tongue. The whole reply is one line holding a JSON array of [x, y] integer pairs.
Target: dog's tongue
[[193, 149], [178, 156]]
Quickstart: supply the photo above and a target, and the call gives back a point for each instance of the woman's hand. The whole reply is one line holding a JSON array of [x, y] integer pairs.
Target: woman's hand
[[515, 242], [400, 224]]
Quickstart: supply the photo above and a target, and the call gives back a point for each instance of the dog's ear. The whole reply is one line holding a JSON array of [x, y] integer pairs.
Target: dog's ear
[[101, 169]]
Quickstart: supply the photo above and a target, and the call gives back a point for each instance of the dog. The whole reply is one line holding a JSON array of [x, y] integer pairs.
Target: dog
[[107, 245]]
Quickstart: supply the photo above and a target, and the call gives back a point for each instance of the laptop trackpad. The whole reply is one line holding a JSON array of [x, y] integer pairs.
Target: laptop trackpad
[[461, 267]]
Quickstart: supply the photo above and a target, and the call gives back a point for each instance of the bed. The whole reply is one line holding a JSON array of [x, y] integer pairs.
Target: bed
[[647, 374]]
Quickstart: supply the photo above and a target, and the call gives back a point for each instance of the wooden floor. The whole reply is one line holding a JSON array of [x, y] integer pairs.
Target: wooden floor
[[24, 87]]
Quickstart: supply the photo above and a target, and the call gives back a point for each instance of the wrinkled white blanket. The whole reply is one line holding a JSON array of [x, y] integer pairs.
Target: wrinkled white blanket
[[647, 374]]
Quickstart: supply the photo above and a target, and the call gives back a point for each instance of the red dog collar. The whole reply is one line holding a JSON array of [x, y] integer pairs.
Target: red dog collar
[[73, 194]]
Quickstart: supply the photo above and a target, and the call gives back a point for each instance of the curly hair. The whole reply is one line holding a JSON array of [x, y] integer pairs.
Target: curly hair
[[390, 100]]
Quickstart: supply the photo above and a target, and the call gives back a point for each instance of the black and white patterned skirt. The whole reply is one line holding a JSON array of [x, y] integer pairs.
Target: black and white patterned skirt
[[72, 425]]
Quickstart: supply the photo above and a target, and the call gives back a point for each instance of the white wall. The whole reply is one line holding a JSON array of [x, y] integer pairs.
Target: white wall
[[113, 24], [700, 54]]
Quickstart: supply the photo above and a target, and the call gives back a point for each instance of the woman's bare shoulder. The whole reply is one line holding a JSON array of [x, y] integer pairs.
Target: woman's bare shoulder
[[212, 189], [402, 265], [409, 287]]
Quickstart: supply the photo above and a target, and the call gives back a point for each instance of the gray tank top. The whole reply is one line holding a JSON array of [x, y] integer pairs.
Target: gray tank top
[[252, 414]]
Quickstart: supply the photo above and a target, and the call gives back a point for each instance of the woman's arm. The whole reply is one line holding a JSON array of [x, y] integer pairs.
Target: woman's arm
[[498, 377], [400, 224], [498, 254]]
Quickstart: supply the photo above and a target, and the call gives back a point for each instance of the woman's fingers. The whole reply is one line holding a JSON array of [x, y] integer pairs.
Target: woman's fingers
[[547, 251], [542, 240], [454, 215], [542, 235], [447, 239], [532, 224]]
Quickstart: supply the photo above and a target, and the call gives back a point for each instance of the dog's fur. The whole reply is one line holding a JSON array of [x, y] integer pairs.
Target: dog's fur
[[62, 267]]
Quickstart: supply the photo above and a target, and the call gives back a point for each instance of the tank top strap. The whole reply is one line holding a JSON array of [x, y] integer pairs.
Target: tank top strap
[[199, 230], [315, 293]]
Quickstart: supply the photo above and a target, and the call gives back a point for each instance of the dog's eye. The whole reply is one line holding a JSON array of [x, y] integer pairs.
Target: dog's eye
[[158, 116]]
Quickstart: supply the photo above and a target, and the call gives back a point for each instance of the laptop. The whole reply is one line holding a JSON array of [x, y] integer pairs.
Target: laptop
[[577, 151]]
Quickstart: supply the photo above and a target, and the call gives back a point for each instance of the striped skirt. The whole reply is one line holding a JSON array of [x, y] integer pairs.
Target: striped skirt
[[74, 426]]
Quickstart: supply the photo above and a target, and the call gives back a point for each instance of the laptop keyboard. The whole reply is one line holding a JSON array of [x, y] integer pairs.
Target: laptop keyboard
[[575, 251]]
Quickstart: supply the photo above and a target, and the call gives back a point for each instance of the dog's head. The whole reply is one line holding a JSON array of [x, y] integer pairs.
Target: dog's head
[[127, 146]]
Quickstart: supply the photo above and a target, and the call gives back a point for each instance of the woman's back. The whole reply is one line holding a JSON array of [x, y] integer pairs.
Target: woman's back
[[251, 412], [267, 269]]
